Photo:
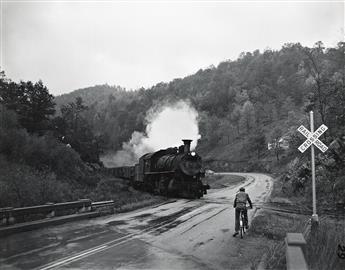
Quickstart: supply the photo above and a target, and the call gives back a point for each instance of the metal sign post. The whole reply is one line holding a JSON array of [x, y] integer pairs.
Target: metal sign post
[[314, 217], [313, 139]]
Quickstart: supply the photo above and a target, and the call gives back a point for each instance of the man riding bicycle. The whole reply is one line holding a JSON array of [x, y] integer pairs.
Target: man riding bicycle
[[240, 203]]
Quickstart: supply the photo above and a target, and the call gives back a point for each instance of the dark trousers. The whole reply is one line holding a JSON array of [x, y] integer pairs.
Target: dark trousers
[[237, 218]]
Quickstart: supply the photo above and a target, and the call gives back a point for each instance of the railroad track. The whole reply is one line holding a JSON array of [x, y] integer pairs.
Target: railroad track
[[299, 210]]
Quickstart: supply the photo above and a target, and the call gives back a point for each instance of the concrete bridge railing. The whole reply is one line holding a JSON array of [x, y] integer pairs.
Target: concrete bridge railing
[[295, 249]]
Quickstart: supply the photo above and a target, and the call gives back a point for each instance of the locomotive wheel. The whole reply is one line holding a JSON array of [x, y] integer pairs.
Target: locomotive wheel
[[197, 195], [163, 186]]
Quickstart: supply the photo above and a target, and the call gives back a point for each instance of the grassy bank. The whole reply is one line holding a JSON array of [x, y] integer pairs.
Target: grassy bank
[[126, 198], [321, 250]]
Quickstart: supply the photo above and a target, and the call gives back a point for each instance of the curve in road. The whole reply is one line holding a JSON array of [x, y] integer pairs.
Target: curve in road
[[179, 234]]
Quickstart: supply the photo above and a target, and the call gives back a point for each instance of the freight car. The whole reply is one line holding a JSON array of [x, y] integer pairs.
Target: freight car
[[171, 172]]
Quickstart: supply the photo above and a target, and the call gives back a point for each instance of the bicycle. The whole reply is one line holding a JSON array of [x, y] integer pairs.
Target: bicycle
[[242, 227]]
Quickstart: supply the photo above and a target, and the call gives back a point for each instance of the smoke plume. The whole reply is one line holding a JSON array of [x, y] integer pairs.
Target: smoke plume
[[166, 126]]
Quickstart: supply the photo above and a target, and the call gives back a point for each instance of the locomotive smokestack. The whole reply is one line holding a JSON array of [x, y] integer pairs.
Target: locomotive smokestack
[[187, 145]]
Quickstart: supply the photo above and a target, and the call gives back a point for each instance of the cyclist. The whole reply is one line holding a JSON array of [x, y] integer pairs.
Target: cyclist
[[240, 203]]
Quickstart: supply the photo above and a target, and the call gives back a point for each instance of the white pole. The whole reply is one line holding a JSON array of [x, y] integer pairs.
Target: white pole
[[314, 216]]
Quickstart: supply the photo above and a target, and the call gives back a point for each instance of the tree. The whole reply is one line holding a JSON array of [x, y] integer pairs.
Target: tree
[[8, 118], [209, 127], [257, 142], [275, 138], [72, 128], [335, 117], [235, 117], [241, 97], [71, 113], [247, 120], [287, 107], [227, 130], [318, 79], [11, 95], [32, 103], [38, 106]]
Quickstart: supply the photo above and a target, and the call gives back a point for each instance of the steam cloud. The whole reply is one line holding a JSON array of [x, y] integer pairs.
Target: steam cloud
[[166, 126]]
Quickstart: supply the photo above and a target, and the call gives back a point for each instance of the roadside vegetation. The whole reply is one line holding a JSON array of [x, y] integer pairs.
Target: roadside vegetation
[[322, 247], [48, 157]]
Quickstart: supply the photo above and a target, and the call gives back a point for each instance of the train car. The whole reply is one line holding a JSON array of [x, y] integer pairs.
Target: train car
[[173, 171], [126, 172]]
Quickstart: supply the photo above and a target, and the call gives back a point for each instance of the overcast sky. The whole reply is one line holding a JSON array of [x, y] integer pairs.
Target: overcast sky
[[132, 44]]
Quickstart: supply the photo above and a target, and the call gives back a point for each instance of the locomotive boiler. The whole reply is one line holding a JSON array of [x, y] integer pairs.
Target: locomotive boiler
[[175, 171]]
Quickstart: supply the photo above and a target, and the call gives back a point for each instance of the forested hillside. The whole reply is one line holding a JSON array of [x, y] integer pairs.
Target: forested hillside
[[260, 98], [242, 104], [48, 155]]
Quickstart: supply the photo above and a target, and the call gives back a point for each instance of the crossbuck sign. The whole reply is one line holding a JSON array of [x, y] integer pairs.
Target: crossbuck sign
[[312, 138]]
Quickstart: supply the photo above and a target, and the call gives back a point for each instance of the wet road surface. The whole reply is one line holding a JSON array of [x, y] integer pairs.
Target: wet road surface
[[178, 234]]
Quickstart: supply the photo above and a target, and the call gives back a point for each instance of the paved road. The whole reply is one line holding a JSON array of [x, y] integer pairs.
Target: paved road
[[179, 234]]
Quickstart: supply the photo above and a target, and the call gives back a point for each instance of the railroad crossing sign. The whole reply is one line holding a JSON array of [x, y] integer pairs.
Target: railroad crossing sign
[[312, 138]]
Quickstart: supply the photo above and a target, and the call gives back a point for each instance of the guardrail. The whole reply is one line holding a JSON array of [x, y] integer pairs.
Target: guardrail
[[104, 206], [15, 220], [295, 248], [10, 215]]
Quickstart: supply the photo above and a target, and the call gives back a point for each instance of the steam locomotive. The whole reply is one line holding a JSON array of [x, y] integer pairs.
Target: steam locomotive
[[170, 172]]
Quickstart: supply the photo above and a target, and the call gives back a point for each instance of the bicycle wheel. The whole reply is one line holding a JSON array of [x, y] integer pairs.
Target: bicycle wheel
[[241, 225]]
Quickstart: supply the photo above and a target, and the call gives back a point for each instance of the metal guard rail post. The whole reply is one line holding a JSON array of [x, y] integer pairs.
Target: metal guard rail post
[[295, 247]]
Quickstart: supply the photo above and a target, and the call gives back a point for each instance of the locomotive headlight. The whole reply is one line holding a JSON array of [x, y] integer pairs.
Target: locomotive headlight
[[192, 154]]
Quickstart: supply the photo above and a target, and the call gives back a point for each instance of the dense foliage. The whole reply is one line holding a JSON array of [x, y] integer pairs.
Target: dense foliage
[[260, 98], [31, 102], [36, 166], [244, 104]]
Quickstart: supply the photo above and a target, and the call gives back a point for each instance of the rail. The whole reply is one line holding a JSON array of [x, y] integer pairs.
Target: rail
[[295, 248], [10, 215]]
